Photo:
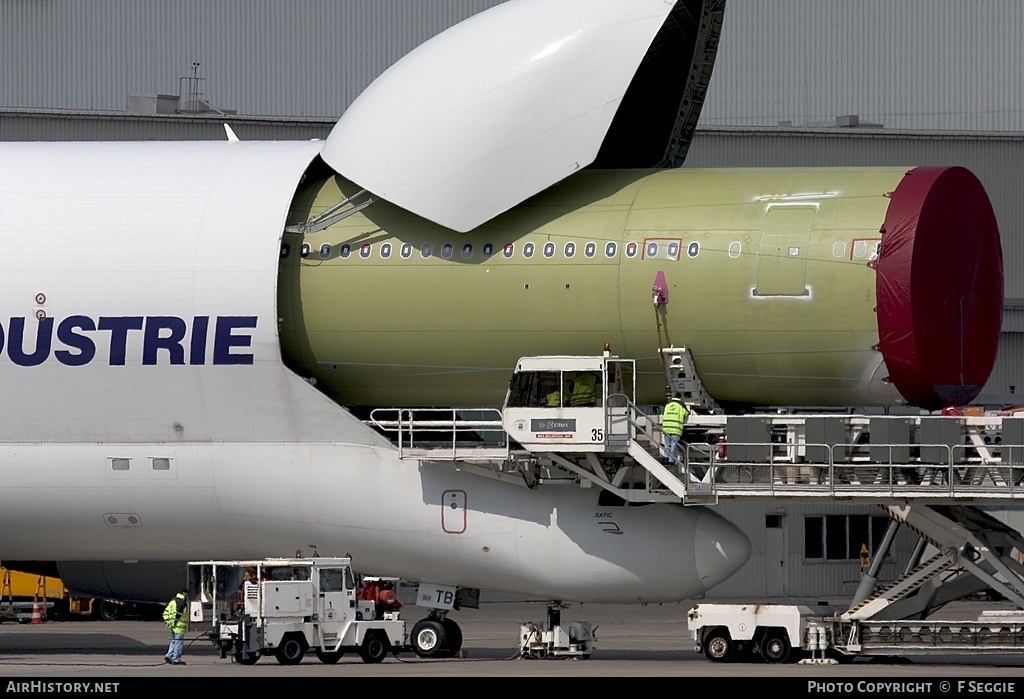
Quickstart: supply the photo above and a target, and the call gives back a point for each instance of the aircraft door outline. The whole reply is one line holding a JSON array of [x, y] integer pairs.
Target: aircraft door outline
[[453, 512], [782, 253]]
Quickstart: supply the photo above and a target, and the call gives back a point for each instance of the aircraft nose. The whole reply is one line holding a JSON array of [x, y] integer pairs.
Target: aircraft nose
[[720, 549]]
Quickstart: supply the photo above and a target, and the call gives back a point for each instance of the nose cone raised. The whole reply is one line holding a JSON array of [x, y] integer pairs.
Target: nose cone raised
[[720, 549]]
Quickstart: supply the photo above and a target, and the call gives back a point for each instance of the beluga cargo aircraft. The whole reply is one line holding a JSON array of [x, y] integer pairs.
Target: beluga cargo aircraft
[[192, 332]]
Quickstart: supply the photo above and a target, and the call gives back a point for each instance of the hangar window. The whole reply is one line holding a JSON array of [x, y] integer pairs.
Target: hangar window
[[325, 251], [488, 250], [590, 250], [447, 250], [570, 250], [385, 251], [839, 537], [426, 251], [528, 250], [549, 249], [285, 249], [406, 251], [631, 250], [467, 251], [365, 250], [611, 250], [304, 251], [345, 251]]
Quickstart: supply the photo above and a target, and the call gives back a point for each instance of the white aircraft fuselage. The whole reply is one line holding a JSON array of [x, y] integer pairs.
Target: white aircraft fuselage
[[150, 417]]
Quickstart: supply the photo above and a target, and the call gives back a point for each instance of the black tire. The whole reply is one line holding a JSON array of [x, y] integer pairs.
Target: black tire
[[291, 650], [250, 659], [775, 646], [428, 638], [452, 637], [329, 657], [110, 611], [718, 646], [375, 648]]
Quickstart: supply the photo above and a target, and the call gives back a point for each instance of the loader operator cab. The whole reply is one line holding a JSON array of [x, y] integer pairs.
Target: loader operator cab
[[568, 403]]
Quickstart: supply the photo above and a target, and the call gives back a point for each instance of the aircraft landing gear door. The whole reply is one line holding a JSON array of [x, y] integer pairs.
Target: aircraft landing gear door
[[453, 512]]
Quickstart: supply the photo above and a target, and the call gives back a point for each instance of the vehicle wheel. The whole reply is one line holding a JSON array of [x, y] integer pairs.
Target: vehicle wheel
[[328, 657], [775, 647], [452, 637], [247, 659], [718, 646], [427, 638], [375, 647], [291, 650], [110, 611]]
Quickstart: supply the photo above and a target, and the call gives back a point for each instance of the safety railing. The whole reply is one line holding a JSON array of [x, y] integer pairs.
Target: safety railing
[[444, 433], [949, 472]]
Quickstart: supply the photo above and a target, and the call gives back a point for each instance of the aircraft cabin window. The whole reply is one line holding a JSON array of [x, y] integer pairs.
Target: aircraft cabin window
[[345, 251], [120, 464], [488, 250], [509, 250], [549, 250], [735, 248], [528, 250], [365, 251], [161, 464], [590, 250], [325, 251], [304, 251], [285, 249], [467, 251], [447, 250], [693, 250], [673, 251], [426, 251], [839, 249], [631, 250], [611, 250], [406, 251], [385, 251], [570, 250], [652, 250]]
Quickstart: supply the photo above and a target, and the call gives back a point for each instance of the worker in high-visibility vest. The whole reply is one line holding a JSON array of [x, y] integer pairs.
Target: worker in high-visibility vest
[[672, 420], [583, 390], [176, 619]]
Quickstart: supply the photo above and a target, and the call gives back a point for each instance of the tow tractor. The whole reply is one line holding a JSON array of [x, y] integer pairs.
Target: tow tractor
[[288, 606]]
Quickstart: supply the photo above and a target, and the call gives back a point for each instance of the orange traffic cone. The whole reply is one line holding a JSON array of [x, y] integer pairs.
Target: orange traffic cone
[[37, 616]]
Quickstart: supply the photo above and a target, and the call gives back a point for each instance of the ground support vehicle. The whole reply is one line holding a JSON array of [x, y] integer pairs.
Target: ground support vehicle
[[573, 640], [286, 607], [779, 633], [970, 551]]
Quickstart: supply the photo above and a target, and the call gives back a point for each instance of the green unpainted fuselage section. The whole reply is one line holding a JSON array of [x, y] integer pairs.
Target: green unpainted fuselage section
[[768, 286]]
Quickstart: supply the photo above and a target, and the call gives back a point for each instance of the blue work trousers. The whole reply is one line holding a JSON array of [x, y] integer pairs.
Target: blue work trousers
[[174, 650]]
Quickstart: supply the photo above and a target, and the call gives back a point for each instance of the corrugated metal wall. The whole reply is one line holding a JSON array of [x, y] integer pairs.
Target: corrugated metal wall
[[266, 57], [797, 577], [921, 64]]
